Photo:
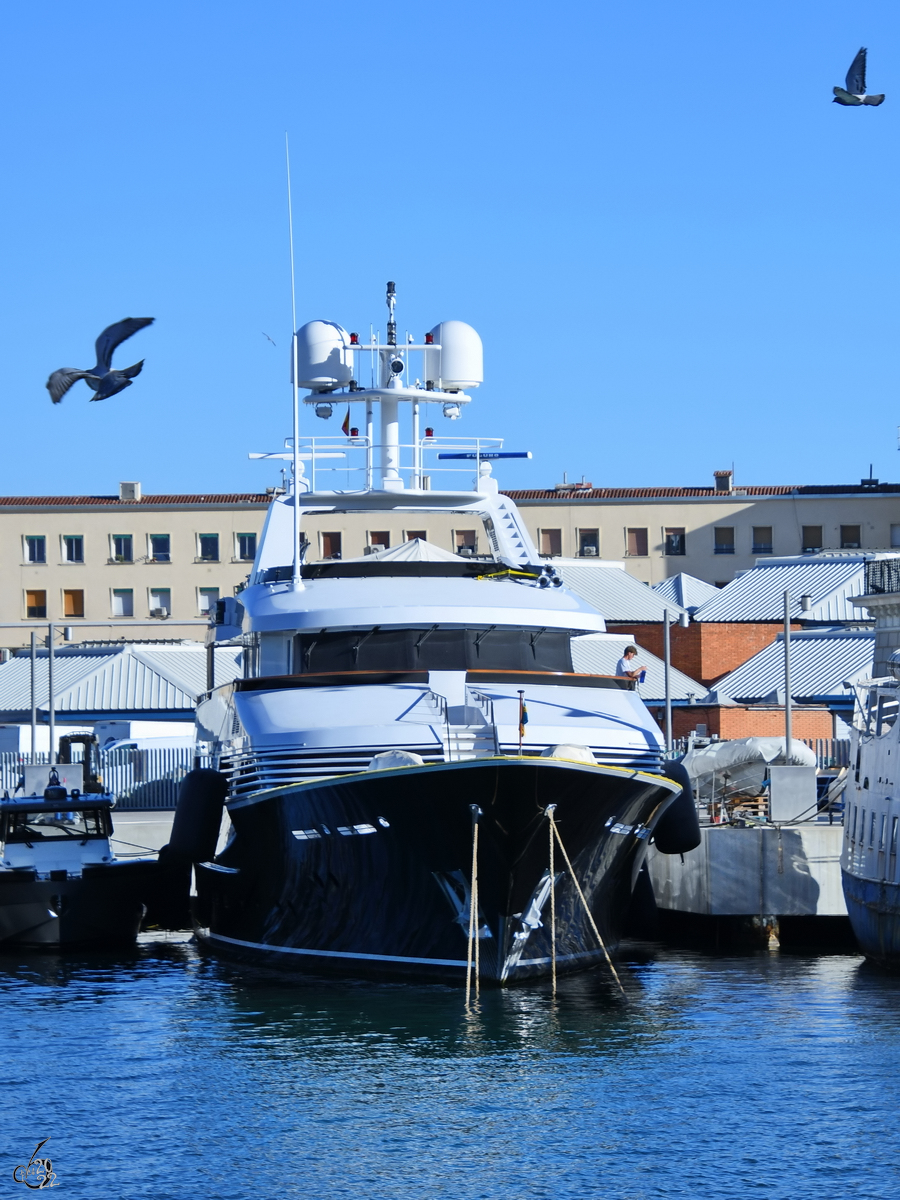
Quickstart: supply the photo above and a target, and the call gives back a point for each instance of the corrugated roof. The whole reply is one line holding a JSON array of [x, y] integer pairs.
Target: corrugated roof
[[598, 653], [820, 662], [758, 594], [122, 679], [686, 590], [617, 595], [160, 501]]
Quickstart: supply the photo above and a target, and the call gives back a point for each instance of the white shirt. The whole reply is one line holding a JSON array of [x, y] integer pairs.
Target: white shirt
[[625, 665]]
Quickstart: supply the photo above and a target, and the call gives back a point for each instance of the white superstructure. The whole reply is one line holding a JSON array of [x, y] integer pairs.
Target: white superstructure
[[445, 656]]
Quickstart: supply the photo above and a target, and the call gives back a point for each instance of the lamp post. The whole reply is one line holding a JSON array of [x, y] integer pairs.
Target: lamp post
[[805, 606], [683, 621]]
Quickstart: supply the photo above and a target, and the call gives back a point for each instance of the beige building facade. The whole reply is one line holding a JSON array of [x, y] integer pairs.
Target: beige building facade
[[137, 558], [129, 558], [711, 533]]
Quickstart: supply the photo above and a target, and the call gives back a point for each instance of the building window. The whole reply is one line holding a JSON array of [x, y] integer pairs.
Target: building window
[[36, 604], [465, 541], [762, 539], [122, 548], [207, 599], [850, 537], [331, 545], [412, 534], [674, 542], [208, 546], [636, 543], [159, 548], [123, 602], [812, 538], [551, 542], [73, 603], [380, 538], [73, 549], [36, 549], [588, 543], [724, 539], [246, 547], [160, 602]]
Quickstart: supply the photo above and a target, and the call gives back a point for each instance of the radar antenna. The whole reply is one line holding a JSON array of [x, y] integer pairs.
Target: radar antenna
[[392, 324]]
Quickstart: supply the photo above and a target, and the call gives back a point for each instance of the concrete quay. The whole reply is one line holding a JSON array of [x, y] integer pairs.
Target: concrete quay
[[761, 885]]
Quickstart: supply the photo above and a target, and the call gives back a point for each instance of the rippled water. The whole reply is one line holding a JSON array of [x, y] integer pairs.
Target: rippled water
[[169, 1075]]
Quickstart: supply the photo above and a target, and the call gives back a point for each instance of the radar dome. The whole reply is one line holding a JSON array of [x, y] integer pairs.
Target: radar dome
[[459, 363], [324, 357]]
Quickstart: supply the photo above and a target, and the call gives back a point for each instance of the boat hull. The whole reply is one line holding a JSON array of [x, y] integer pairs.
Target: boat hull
[[370, 873], [102, 907], [874, 910]]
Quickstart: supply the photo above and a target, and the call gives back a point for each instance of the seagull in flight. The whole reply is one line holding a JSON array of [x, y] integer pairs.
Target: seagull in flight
[[855, 91], [102, 378]]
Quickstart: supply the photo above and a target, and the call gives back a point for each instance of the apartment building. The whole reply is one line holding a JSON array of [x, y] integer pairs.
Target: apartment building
[[79, 559], [711, 533]]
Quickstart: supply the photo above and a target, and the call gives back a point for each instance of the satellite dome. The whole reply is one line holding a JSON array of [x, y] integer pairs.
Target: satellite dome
[[456, 361], [324, 356]]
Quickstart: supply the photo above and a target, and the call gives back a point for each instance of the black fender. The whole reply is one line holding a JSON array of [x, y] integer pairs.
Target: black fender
[[195, 831], [198, 816], [678, 829]]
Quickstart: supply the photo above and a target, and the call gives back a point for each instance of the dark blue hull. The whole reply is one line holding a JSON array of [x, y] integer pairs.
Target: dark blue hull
[[370, 873], [874, 911]]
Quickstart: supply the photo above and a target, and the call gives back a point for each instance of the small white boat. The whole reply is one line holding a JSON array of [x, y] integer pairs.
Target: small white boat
[[60, 882]]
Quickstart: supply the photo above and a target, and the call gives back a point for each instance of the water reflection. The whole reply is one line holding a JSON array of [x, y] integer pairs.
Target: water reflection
[[714, 1077]]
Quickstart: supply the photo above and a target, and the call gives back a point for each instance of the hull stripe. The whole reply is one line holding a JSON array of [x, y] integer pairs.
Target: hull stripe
[[435, 962]]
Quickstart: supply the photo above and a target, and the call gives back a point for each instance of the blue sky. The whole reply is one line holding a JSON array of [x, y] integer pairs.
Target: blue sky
[[679, 253]]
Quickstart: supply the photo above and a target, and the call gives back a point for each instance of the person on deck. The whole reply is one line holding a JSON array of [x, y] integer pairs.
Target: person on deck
[[627, 666]]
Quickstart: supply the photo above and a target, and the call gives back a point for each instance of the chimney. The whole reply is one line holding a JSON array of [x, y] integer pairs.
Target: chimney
[[129, 491], [723, 482]]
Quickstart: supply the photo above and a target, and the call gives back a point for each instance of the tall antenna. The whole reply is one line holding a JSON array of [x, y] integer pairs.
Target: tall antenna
[[296, 581]]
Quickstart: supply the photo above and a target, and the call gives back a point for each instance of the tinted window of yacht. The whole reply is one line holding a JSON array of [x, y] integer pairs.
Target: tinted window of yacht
[[433, 650]]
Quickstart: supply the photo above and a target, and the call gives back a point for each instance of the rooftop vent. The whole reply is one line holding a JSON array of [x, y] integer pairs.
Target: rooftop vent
[[129, 491], [579, 486], [723, 481]]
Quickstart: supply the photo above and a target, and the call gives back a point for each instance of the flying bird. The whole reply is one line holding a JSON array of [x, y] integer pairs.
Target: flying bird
[[855, 91], [102, 378]]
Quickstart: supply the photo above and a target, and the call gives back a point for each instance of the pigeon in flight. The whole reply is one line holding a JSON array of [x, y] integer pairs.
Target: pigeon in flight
[[855, 91], [102, 379]]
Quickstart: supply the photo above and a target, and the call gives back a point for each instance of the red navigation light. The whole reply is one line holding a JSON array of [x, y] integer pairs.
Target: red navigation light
[[429, 339], [354, 339], [354, 431], [429, 432]]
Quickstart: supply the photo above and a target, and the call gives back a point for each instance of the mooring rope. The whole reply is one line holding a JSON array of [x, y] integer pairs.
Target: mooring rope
[[473, 912], [548, 812]]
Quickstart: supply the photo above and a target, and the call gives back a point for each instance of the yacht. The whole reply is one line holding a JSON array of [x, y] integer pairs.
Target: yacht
[[869, 868], [419, 779]]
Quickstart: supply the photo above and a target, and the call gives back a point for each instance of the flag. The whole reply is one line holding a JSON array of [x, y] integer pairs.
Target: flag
[[523, 716], [345, 428]]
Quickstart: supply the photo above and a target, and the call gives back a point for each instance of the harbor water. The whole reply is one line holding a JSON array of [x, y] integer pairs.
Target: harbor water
[[166, 1074]]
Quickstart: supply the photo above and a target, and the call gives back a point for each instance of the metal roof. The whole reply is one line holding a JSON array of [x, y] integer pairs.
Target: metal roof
[[113, 680], [598, 653], [758, 594], [617, 595], [686, 590], [821, 660]]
